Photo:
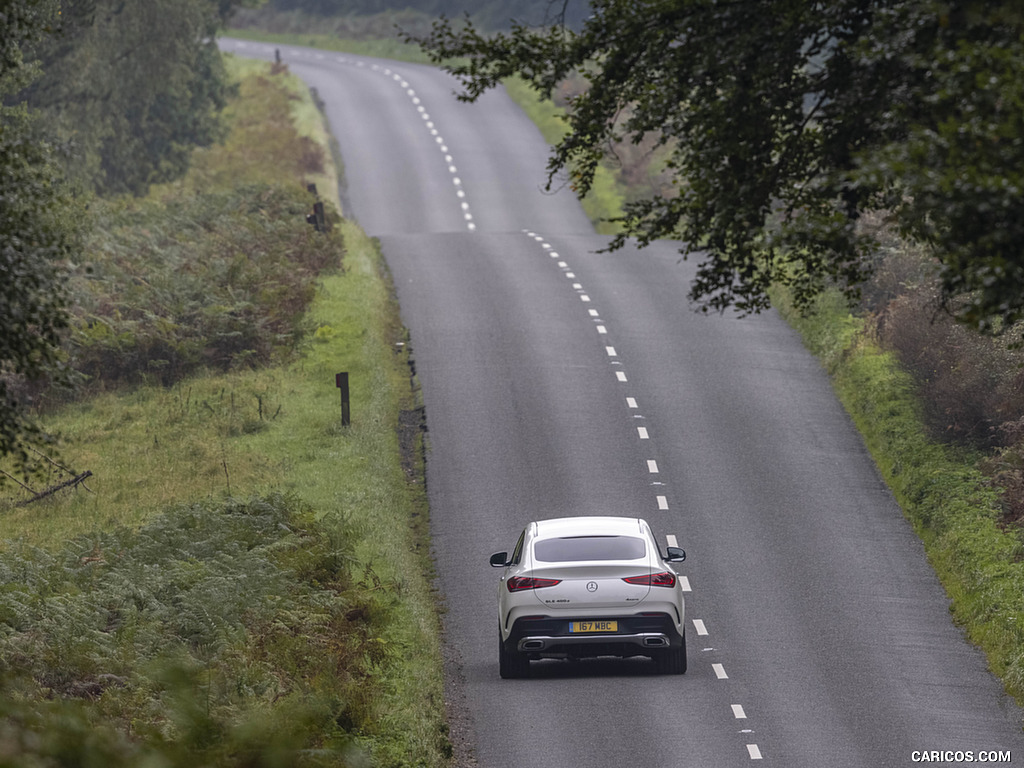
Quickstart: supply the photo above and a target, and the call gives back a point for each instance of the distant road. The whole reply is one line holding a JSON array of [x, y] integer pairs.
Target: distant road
[[562, 381]]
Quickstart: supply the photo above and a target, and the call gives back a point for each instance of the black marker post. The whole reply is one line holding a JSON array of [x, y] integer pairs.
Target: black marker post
[[341, 382]]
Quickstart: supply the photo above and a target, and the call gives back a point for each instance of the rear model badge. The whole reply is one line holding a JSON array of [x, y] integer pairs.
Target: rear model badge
[[591, 586]]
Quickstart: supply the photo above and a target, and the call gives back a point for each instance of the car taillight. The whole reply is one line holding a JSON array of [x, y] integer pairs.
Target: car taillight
[[519, 583], [663, 579]]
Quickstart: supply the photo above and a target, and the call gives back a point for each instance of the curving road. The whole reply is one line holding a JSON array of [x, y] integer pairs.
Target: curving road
[[561, 381]]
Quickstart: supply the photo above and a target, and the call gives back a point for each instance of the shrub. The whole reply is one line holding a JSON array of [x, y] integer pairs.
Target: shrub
[[969, 384]]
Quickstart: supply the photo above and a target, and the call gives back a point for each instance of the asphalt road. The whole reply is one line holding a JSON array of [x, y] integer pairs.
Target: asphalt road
[[562, 381]]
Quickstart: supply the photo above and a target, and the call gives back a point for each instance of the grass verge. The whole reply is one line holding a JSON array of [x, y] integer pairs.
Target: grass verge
[[952, 508], [246, 581]]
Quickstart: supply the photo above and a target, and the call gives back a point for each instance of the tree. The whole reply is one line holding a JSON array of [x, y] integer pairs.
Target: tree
[[132, 87], [129, 87], [789, 119], [35, 235]]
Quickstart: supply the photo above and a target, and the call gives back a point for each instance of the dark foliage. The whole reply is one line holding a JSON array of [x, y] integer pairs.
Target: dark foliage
[[130, 88], [969, 385], [37, 234], [787, 122]]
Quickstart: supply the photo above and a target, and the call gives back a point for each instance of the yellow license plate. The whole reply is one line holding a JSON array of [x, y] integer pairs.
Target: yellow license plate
[[594, 626]]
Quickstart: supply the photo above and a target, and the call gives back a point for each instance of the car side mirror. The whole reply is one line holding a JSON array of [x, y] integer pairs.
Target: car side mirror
[[674, 554], [499, 559]]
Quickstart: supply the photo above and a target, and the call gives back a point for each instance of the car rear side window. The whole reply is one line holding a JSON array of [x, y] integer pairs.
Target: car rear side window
[[573, 548]]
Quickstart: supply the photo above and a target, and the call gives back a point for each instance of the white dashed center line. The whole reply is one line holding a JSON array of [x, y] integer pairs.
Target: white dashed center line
[[699, 626], [753, 750], [409, 92]]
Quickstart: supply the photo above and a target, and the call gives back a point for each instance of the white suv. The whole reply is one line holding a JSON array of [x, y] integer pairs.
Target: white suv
[[579, 587]]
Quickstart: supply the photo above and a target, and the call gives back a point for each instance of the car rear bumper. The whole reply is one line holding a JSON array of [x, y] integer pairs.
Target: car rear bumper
[[637, 635], [540, 644]]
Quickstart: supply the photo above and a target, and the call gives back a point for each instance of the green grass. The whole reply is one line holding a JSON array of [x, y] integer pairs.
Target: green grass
[[268, 433]]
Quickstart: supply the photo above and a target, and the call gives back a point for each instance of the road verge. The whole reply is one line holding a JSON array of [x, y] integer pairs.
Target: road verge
[[946, 499], [245, 580]]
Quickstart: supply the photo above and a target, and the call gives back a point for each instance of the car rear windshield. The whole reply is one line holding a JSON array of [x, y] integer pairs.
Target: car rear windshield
[[589, 548]]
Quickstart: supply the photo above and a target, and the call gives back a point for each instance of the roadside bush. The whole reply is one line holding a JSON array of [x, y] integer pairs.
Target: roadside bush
[[1005, 469], [263, 144], [217, 280], [969, 384]]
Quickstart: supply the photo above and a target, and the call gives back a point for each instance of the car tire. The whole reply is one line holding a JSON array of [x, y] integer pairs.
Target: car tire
[[673, 660], [511, 664]]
